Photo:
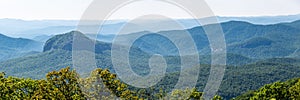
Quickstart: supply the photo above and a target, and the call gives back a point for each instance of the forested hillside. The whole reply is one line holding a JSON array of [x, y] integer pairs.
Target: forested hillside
[[256, 55], [65, 84], [288, 90], [242, 38], [17, 47]]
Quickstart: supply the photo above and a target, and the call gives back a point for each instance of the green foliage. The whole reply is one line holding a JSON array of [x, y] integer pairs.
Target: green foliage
[[188, 94], [276, 90], [16, 88], [104, 85], [61, 85], [94, 89], [288, 90], [237, 80], [295, 91], [240, 79], [101, 84]]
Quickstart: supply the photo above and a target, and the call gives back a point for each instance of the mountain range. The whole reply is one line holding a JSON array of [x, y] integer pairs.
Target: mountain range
[[244, 40], [33, 28], [256, 54]]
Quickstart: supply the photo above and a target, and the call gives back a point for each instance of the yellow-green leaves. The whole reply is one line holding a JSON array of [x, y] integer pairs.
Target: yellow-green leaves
[[17, 88], [65, 84], [61, 84], [289, 90]]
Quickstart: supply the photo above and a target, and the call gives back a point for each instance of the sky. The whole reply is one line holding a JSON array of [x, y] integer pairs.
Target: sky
[[73, 9]]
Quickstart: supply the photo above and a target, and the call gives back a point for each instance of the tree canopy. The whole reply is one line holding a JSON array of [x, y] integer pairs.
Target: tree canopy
[[65, 84]]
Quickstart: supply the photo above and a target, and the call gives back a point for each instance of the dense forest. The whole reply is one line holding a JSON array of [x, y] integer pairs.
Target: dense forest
[[65, 84], [242, 73], [288, 90]]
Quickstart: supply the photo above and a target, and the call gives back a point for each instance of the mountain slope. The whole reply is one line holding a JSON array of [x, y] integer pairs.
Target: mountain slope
[[57, 54], [242, 38], [238, 79], [37, 65], [15, 47]]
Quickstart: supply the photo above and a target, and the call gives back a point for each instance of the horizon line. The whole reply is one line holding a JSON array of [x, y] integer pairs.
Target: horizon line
[[243, 16]]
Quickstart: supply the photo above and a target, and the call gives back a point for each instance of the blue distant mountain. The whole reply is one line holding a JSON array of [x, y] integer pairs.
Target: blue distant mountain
[[17, 47], [31, 29], [263, 20], [243, 38]]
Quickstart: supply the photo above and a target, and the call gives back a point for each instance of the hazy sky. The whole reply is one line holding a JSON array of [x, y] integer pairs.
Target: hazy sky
[[73, 9]]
